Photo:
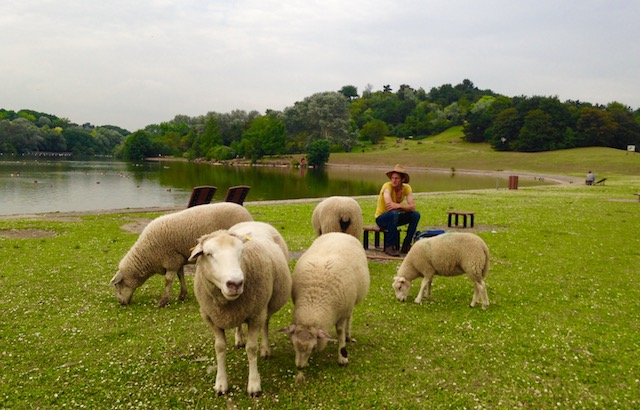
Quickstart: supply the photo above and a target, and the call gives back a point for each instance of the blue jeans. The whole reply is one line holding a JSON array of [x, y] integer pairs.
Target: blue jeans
[[390, 221]]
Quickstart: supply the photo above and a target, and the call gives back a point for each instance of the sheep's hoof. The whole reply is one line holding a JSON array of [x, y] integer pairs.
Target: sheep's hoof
[[163, 302], [255, 394], [182, 296]]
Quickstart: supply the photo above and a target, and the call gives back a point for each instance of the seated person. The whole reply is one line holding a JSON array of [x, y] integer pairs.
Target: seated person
[[391, 212], [591, 178]]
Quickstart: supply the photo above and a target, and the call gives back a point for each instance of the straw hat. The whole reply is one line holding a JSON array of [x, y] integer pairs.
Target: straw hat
[[400, 170]]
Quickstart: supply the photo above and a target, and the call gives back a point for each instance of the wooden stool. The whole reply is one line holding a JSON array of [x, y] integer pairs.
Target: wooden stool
[[376, 237], [464, 215]]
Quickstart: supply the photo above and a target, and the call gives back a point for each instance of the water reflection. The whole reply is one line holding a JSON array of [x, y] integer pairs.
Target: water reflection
[[29, 185]]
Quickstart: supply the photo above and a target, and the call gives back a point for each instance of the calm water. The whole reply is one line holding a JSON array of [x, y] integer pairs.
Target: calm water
[[29, 185]]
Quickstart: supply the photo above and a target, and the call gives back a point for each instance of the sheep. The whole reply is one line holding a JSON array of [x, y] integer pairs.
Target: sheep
[[448, 254], [164, 246], [329, 279], [241, 277], [338, 214]]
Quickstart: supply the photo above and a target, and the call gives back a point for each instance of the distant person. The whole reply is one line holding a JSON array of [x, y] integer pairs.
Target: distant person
[[591, 178], [391, 212]]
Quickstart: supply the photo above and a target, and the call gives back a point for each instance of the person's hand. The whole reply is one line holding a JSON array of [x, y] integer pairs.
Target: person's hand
[[391, 206]]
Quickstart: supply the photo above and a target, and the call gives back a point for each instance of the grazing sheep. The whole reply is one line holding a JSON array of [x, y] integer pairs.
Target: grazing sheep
[[164, 246], [449, 254], [330, 278], [240, 278], [338, 214]]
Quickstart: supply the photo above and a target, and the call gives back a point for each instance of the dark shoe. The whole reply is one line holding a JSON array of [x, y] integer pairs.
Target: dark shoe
[[406, 248], [391, 251]]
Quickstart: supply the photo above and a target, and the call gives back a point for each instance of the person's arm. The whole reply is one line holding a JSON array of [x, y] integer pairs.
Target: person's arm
[[390, 205]]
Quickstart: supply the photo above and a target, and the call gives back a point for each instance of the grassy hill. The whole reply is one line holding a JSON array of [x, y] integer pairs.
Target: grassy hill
[[448, 150]]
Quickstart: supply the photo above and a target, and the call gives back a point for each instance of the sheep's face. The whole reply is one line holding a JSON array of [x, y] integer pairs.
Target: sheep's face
[[220, 263], [306, 339], [123, 288], [401, 286]]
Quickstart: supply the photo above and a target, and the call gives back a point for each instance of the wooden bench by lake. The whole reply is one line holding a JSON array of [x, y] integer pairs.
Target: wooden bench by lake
[[464, 215]]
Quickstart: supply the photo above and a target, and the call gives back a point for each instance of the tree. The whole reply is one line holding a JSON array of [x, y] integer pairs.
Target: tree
[[349, 91], [595, 128], [374, 131], [137, 146], [504, 130], [627, 131], [265, 136], [537, 133], [318, 153], [321, 116]]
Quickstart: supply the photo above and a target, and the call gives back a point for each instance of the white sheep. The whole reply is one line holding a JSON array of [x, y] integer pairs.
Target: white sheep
[[329, 279], [165, 244], [338, 214], [448, 254], [241, 277]]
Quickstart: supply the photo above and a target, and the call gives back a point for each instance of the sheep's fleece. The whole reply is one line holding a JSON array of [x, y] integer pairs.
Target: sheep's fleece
[[338, 214], [448, 254], [330, 278], [164, 246], [242, 276]]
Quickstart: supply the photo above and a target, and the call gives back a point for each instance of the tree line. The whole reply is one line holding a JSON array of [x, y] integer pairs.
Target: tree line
[[341, 121]]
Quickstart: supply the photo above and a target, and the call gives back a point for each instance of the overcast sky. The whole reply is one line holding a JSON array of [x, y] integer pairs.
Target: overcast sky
[[132, 63]]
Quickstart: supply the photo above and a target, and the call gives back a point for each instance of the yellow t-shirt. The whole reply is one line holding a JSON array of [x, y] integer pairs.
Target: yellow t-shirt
[[381, 208]]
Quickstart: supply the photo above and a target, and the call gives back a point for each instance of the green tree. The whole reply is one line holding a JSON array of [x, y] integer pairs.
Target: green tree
[[265, 136], [349, 91], [537, 133], [595, 127], [318, 153], [504, 130], [137, 146], [374, 131]]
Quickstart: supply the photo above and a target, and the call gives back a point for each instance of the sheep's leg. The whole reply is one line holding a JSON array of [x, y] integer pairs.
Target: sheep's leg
[[183, 284], [265, 349], [343, 359], [480, 294], [169, 277], [426, 284], [253, 385], [476, 292], [348, 331], [222, 385], [483, 295], [239, 339]]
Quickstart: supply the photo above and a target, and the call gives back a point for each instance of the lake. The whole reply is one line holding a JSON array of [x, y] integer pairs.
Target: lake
[[36, 185]]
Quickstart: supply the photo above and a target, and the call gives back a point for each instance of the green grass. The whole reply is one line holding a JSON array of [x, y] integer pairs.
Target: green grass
[[562, 330], [447, 150]]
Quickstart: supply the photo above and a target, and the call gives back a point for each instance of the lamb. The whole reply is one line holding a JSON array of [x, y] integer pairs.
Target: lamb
[[338, 214], [329, 279], [164, 246], [448, 254], [241, 277]]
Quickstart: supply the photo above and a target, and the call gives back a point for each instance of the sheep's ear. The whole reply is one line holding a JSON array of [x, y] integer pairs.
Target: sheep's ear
[[288, 330], [324, 335], [195, 252], [116, 278], [399, 279]]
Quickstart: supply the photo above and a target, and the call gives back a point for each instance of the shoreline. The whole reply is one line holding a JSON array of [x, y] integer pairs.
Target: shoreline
[[69, 215]]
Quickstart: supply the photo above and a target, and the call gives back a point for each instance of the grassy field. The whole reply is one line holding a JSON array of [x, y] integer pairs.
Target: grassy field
[[562, 330]]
